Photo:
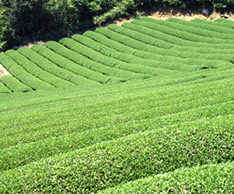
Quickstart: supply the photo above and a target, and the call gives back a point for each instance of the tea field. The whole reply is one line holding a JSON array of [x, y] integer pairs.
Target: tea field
[[146, 107]]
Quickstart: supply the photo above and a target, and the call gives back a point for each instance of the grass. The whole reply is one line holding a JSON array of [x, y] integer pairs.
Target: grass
[[120, 110]]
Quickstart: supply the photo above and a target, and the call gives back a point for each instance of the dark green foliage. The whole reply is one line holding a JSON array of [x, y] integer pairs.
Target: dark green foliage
[[216, 4], [5, 30]]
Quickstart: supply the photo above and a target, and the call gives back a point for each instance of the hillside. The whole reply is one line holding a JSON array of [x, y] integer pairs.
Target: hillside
[[145, 107], [139, 50]]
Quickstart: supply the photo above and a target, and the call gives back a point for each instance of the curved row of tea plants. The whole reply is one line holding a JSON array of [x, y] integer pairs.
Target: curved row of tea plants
[[196, 179], [89, 140], [141, 49]]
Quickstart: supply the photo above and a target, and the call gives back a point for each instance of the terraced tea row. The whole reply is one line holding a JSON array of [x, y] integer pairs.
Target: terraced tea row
[[84, 140], [196, 179], [16, 136], [142, 49]]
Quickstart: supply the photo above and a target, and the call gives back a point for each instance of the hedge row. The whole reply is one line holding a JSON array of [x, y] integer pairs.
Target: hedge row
[[86, 62], [127, 54], [4, 89], [201, 33], [217, 25], [69, 65], [116, 58], [205, 29], [14, 85], [181, 33], [80, 138], [96, 56], [173, 51], [148, 58], [67, 78], [35, 70], [167, 55], [131, 62], [189, 79], [22, 75], [211, 178], [174, 42], [58, 121], [125, 159], [148, 22], [225, 23], [30, 132], [169, 41]]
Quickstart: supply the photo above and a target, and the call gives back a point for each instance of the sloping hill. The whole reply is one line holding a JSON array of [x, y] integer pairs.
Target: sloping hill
[[161, 122], [139, 50]]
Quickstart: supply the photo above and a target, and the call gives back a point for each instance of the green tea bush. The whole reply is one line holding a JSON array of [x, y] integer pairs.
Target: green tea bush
[[224, 23], [204, 29], [162, 26], [164, 54], [96, 56], [217, 37], [33, 69], [22, 75], [66, 64], [130, 62], [82, 138], [146, 58], [113, 162], [85, 61], [189, 49], [14, 85], [4, 89], [196, 179], [67, 78]]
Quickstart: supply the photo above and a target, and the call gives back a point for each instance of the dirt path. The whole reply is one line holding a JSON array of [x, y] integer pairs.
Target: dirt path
[[3, 71]]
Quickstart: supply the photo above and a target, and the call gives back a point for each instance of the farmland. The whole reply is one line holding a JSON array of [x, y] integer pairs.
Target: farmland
[[142, 107]]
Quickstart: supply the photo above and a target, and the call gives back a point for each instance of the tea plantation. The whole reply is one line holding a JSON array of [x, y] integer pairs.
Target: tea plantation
[[142, 108]]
